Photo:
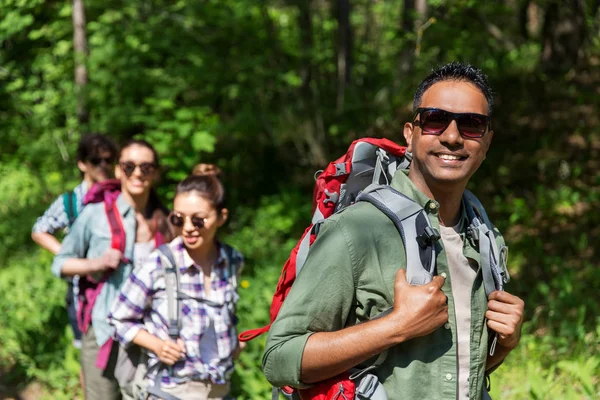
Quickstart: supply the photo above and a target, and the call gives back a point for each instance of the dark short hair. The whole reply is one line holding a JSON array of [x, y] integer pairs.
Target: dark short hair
[[205, 182], [92, 144], [142, 143], [456, 71]]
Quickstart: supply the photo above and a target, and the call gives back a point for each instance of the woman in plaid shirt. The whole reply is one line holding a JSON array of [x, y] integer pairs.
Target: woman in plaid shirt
[[201, 360]]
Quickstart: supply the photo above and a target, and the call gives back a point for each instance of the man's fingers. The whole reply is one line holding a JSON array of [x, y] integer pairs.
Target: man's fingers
[[505, 297], [500, 328], [438, 281], [499, 317], [513, 310]]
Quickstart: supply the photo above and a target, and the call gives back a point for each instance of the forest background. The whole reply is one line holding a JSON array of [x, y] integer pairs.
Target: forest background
[[270, 90]]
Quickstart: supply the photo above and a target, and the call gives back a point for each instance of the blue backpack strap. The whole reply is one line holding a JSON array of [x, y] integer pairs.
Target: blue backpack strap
[[70, 205], [418, 235]]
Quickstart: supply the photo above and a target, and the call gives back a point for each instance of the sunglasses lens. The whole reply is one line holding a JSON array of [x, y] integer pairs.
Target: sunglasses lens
[[472, 125], [95, 161], [176, 220], [198, 222], [147, 168], [435, 121], [127, 167]]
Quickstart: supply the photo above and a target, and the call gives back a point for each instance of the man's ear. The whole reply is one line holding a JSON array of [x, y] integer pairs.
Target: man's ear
[[82, 166], [408, 135], [223, 217]]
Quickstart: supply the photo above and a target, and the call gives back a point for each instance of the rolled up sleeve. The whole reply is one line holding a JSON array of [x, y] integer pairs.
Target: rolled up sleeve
[[320, 300], [128, 310], [54, 219], [76, 243]]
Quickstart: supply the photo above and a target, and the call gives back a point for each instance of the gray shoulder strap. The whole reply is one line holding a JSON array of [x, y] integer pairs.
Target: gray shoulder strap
[[231, 265], [174, 314], [481, 229], [172, 280], [418, 236]]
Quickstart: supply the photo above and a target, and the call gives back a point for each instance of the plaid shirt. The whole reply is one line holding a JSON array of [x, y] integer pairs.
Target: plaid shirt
[[142, 304], [55, 218]]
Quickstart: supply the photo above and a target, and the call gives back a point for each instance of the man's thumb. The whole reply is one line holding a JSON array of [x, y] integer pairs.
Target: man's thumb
[[401, 277]]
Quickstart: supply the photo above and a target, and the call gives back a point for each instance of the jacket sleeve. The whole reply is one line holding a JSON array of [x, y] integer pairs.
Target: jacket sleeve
[[320, 300], [135, 298], [54, 218], [76, 243]]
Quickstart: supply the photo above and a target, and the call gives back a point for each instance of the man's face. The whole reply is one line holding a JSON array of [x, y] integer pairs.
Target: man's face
[[99, 167], [447, 161]]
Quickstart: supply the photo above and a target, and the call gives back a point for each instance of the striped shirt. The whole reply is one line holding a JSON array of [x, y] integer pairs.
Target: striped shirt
[[55, 218], [142, 304]]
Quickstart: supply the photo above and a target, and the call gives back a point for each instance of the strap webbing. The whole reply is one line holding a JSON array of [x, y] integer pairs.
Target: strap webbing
[[412, 223], [116, 227], [172, 279], [69, 203], [156, 390]]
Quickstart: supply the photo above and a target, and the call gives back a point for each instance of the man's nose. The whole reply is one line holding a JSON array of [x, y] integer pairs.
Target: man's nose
[[451, 134]]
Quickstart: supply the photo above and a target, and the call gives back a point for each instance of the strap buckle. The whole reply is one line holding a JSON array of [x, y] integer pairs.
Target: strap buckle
[[428, 237]]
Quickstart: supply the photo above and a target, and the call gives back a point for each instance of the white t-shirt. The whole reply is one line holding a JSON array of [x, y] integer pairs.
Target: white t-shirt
[[462, 275]]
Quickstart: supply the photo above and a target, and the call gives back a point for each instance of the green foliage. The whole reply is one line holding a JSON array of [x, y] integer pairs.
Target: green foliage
[[31, 309]]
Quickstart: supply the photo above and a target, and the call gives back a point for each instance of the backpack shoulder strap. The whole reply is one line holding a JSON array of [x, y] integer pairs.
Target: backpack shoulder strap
[[418, 236], [481, 230], [174, 314], [115, 223], [231, 264], [70, 205], [172, 279], [493, 260]]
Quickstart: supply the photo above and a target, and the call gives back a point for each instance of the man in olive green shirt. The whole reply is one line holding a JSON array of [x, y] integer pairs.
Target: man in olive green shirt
[[437, 342]]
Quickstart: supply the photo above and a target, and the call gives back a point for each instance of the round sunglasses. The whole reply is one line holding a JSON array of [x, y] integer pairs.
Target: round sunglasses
[[178, 219], [434, 121], [128, 167], [96, 161]]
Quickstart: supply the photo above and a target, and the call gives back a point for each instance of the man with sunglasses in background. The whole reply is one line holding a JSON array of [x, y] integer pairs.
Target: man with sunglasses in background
[[96, 155], [435, 336]]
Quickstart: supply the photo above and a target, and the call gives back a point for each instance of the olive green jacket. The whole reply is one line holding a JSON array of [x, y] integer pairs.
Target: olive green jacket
[[349, 277]]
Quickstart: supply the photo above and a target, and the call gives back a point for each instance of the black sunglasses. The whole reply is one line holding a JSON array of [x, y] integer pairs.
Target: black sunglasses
[[178, 219], [434, 121], [129, 166], [95, 161]]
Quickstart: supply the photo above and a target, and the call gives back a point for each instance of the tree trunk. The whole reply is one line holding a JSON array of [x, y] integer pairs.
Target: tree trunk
[[80, 50], [564, 35], [344, 51], [413, 16], [315, 132]]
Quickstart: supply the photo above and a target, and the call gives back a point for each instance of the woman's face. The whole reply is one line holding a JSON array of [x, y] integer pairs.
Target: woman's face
[[195, 211], [136, 169]]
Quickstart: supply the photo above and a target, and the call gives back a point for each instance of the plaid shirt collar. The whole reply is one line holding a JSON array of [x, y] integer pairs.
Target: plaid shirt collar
[[222, 260]]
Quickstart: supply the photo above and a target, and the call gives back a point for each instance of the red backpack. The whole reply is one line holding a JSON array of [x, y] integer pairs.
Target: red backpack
[[368, 161], [364, 174], [331, 194]]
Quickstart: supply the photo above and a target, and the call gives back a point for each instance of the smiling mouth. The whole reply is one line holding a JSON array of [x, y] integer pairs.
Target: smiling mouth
[[450, 157]]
